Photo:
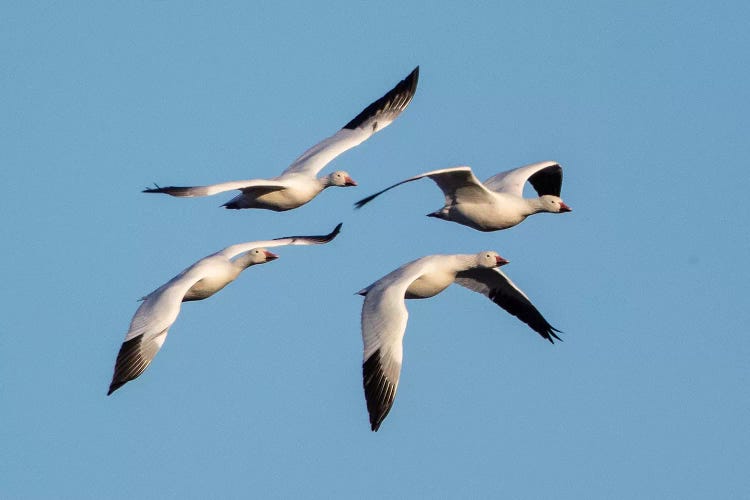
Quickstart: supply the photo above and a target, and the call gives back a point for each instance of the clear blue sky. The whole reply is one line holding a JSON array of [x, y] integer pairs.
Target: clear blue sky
[[257, 391]]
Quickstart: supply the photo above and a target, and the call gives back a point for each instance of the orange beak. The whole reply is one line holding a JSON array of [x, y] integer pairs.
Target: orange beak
[[349, 182], [565, 208]]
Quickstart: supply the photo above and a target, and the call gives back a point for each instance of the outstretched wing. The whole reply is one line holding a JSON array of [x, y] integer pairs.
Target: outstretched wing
[[384, 318], [496, 286], [455, 182], [545, 177], [373, 118], [150, 324], [134, 357], [195, 191], [233, 250]]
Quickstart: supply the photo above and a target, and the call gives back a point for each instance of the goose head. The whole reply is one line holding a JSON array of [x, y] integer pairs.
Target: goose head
[[553, 204], [259, 256], [340, 178], [253, 257], [490, 259]]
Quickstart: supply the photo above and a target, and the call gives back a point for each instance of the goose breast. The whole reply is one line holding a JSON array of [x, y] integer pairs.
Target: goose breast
[[430, 284], [501, 212], [209, 286]]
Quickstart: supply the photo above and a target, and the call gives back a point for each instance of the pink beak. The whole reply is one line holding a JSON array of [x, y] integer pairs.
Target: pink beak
[[349, 182], [501, 261], [270, 256], [565, 208]]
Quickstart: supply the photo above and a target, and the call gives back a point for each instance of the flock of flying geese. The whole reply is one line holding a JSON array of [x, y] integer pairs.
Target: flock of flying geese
[[492, 205]]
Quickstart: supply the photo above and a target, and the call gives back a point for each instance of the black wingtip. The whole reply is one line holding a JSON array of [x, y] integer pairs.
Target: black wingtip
[[364, 201], [318, 239], [409, 83], [548, 180], [178, 191], [398, 98], [379, 391], [114, 386], [330, 236], [130, 364], [412, 80], [551, 333]]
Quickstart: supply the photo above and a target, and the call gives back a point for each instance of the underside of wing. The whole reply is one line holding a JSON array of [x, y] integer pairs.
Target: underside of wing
[[234, 250], [380, 390], [548, 180], [151, 322], [309, 240], [197, 191], [547, 177], [449, 180], [460, 184], [373, 118], [496, 286], [134, 357], [260, 190], [383, 111], [384, 319]]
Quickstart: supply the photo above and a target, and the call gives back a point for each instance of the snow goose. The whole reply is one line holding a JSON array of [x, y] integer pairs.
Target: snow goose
[[384, 314], [498, 203], [299, 184], [154, 317]]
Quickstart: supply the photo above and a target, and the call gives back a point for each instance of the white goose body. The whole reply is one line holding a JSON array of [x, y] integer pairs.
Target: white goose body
[[299, 189], [436, 273], [159, 309], [384, 314], [498, 211], [223, 272], [299, 184], [496, 204]]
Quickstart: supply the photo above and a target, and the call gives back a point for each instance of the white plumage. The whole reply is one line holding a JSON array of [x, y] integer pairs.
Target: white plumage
[[496, 204], [299, 184], [159, 310], [384, 314]]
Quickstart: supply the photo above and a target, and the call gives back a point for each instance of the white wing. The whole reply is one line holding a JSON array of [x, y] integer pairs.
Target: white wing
[[373, 118], [384, 318], [194, 191], [495, 285], [151, 322], [239, 248], [545, 177], [159, 309], [456, 183]]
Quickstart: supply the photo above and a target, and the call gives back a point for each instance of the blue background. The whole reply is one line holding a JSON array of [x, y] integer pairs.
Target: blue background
[[257, 391]]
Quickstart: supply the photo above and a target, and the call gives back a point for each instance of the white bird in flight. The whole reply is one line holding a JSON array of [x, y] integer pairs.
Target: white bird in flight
[[496, 204], [384, 314], [160, 308], [299, 184]]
